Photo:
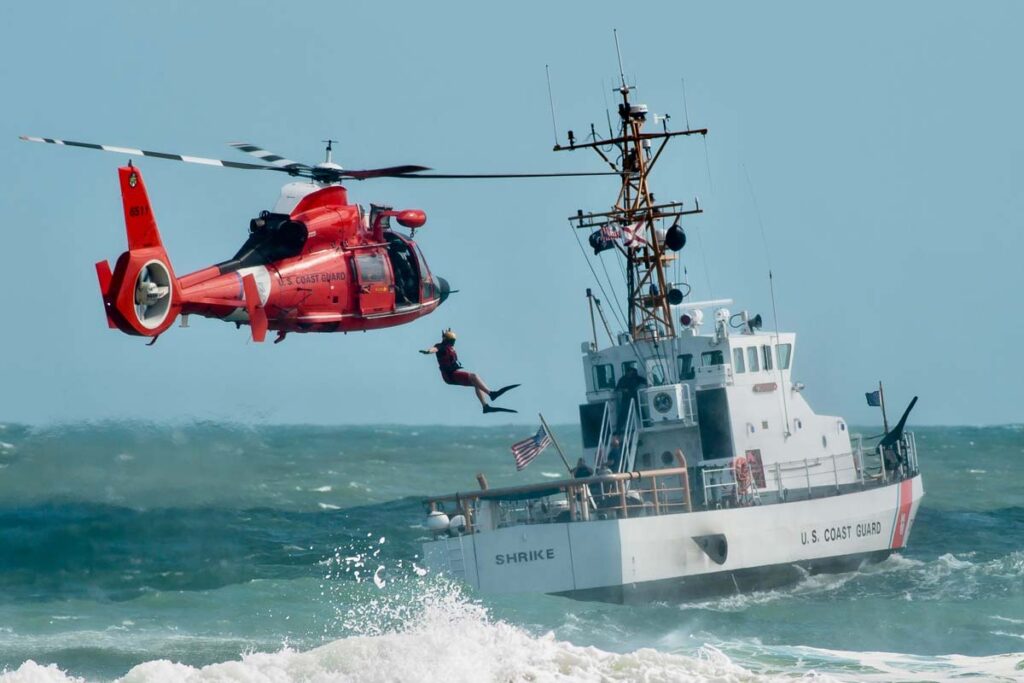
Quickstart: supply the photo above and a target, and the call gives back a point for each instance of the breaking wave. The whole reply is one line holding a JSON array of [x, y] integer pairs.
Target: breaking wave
[[444, 635], [412, 626]]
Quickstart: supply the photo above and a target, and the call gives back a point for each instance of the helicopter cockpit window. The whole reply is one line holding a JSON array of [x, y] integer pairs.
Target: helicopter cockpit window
[[406, 270], [272, 237], [371, 268]]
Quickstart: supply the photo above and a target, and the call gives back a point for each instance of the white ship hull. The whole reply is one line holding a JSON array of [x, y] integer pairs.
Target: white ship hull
[[658, 557]]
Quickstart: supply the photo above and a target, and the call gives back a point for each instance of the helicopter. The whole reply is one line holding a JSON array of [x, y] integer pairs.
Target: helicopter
[[314, 263]]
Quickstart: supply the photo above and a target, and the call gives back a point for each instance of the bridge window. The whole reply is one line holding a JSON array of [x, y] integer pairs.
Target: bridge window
[[629, 364], [737, 361], [752, 358], [785, 352], [604, 376], [766, 354], [685, 365], [655, 372], [712, 358]]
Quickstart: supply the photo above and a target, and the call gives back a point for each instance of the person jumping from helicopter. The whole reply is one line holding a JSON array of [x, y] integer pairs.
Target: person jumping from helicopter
[[452, 373]]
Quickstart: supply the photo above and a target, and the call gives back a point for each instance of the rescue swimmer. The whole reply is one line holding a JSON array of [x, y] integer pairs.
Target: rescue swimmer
[[453, 373]]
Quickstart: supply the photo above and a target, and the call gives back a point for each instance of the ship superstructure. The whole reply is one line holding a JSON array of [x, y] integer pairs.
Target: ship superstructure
[[710, 471]]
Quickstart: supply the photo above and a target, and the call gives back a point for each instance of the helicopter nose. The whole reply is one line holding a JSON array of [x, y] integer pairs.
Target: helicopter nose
[[445, 288]]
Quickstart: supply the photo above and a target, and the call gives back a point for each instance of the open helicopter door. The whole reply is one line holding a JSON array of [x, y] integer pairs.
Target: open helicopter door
[[376, 293]]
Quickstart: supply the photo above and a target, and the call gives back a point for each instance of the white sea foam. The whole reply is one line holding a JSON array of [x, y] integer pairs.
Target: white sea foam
[[449, 638], [1007, 634], [453, 639], [403, 626], [329, 506]]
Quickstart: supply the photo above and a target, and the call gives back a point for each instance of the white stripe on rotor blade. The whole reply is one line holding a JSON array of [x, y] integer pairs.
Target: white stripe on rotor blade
[[265, 155], [201, 160], [123, 150]]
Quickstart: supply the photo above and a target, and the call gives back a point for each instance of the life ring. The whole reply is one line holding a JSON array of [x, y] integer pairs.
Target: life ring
[[741, 473]]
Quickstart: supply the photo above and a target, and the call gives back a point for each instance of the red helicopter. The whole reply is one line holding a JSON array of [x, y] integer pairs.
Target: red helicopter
[[315, 263]]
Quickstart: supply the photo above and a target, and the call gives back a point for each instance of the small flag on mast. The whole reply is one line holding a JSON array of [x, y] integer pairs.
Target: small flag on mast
[[632, 235], [874, 398], [529, 448]]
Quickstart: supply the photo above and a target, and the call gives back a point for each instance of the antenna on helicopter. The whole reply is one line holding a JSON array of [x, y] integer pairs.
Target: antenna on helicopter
[[330, 148]]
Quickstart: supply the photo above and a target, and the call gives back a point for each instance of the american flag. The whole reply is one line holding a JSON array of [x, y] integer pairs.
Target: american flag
[[529, 448]]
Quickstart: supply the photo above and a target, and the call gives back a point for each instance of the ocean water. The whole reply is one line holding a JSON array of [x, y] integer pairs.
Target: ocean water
[[220, 552]]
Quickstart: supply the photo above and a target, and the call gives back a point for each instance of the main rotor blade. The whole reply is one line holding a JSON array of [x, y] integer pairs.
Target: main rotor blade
[[472, 176], [388, 172], [132, 151], [270, 157]]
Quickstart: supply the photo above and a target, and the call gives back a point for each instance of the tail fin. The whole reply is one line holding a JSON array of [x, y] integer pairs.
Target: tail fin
[[142, 294], [138, 216]]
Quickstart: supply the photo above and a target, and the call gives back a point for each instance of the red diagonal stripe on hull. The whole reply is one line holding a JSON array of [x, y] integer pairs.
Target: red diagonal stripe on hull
[[906, 500]]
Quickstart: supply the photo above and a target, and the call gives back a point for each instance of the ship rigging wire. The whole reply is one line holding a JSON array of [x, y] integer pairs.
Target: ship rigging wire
[[594, 272], [771, 289], [660, 357]]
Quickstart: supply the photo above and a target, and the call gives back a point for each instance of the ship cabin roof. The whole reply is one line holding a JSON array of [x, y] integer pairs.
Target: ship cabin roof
[[697, 360]]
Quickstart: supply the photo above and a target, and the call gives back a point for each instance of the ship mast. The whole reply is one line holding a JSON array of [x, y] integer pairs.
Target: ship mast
[[633, 220]]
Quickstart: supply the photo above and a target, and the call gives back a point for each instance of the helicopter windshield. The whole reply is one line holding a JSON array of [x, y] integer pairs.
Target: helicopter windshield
[[272, 237], [406, 268]]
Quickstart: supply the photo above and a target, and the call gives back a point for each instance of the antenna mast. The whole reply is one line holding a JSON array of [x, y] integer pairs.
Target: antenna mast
[[330, 148], [636, 212]]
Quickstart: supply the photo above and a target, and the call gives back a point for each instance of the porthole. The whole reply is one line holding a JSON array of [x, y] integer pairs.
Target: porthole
[[824, 441], [666, 458]]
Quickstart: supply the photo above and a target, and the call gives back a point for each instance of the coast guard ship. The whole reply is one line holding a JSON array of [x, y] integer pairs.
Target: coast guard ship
[[705, 469]]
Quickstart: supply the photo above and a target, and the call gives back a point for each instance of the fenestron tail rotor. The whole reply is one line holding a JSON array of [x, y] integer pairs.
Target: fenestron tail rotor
[[325, 173], [152, 294]]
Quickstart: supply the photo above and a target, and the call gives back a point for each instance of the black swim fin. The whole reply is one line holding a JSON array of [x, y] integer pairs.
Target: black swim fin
[[495, 394], [492, 409]]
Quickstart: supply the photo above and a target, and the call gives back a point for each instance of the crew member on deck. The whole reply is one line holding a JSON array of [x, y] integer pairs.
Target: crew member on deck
[[627, 390], [452, 373]]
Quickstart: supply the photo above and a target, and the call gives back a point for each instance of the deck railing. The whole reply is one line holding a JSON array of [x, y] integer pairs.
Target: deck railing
[[720, 483], [667, 491], [623, 494]]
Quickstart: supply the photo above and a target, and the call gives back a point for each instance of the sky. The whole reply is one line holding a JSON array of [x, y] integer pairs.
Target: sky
[[871, 155]]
